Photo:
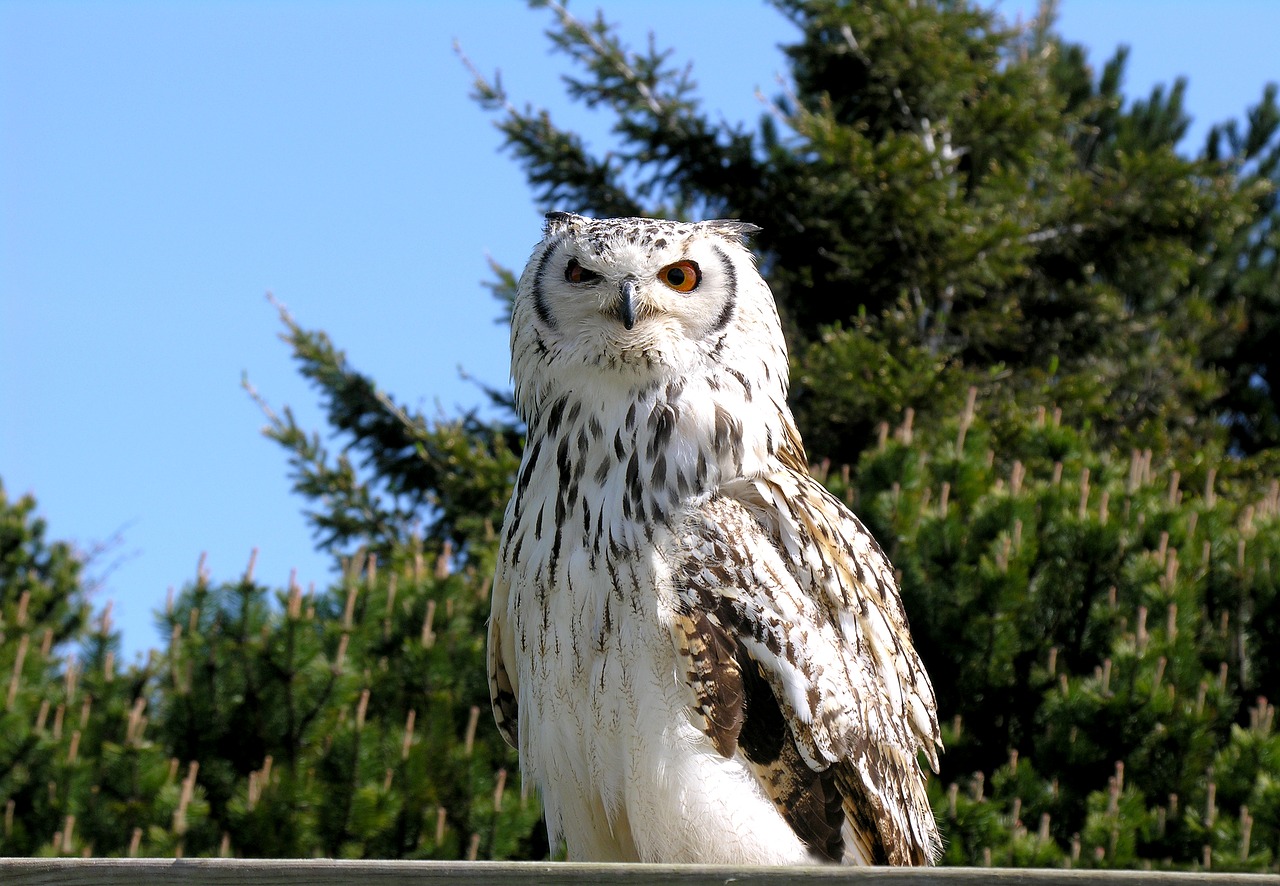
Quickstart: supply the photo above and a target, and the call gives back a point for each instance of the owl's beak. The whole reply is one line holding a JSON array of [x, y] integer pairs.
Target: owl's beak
[[627, 304]]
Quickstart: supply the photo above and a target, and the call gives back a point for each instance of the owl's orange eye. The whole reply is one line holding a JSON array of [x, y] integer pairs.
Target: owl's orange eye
[[576, 273], [683, 276]]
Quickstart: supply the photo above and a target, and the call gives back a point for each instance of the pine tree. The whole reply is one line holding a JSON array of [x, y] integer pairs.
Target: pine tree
[[1101, 632], [75, 771], [341, 722], [947, 201], [41, 587]]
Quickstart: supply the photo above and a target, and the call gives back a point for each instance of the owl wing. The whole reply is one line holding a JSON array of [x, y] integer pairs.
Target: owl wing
[[799, 654], [502, 685]]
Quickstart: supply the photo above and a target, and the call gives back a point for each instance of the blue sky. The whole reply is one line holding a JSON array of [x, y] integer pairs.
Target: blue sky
[[164, 165]]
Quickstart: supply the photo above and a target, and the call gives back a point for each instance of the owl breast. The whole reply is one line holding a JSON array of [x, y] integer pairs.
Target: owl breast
[[588, 554]]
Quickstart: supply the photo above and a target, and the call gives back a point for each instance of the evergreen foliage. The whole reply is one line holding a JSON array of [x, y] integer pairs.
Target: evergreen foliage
[[1033, 345], [964, 200], [41, 583], [1103, 634], [347, 722]]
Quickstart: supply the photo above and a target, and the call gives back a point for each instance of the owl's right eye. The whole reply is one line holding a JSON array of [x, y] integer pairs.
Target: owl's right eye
[[576, 273]]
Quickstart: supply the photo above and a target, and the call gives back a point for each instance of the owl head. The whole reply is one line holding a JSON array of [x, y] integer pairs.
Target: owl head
[[628, 302]]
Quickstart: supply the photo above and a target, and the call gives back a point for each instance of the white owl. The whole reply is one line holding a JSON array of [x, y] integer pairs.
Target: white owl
[[699, 652]]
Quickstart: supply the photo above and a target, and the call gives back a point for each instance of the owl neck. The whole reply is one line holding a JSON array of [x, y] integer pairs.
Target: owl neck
[[653, 447], [607, 472]]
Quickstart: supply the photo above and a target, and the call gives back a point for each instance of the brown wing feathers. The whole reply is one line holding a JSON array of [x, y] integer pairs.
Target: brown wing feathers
[[810, 801], [837, 773], [739, 711], [714, 675]]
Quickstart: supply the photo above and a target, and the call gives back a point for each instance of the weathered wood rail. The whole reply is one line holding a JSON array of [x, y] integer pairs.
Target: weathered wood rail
[[287, 872]]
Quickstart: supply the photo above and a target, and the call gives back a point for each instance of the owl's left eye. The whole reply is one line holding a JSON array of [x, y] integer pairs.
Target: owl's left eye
[[683, 276], [576, 273]]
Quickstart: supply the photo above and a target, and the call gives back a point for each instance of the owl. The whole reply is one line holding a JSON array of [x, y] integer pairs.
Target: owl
[[699, 652]]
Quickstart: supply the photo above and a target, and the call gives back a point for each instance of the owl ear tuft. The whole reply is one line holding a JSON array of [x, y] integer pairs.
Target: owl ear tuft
[[730, 227], [559, 221]]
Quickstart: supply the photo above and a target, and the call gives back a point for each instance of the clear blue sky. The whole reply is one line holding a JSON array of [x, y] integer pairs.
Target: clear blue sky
[[164, 165]]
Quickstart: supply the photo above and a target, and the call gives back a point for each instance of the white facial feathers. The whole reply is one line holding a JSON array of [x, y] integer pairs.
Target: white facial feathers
[[640, 300]]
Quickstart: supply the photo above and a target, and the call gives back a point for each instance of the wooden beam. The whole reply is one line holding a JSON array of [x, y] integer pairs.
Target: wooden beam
[[287, 872]]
